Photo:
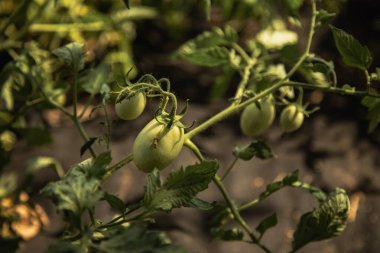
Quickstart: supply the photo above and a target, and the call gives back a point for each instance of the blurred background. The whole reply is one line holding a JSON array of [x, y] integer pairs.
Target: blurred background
[[332, 149]]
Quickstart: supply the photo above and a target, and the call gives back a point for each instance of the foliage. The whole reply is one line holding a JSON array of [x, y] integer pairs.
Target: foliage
[[51, 64]]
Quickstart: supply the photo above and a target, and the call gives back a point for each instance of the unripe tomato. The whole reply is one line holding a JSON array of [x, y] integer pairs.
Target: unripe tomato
[[132, 107], [156, 146], [291, 118], [254, 120]]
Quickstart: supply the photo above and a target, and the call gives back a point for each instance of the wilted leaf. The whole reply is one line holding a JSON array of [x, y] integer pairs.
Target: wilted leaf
[[324, 222]]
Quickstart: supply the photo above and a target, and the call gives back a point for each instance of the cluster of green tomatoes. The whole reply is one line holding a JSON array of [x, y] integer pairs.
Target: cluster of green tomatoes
[[162, 139]]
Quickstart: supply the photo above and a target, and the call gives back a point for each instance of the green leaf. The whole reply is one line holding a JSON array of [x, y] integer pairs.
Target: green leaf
[[324, 222], [72, 55], [373, 115], [207, 48], [137, 239], [87, 145], [324, 16], [272, 187], [114, 201], [208, 57], [200, 204], [180, 187], [234, 234], [93, 79], [293, 6], [267, 223], [256, 149], [79, 189], [63, 247], [353, 53], [291, 178]]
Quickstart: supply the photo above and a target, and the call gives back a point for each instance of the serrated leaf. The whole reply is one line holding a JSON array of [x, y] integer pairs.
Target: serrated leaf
[[373, 115], [79, 189], [353, 53], [114, 201], [208, 57], [88, 144], [72, 55], [207, 48], [200, 204], [267, 223], [137, 239], [180, 187], [234, 234], [324, 222], [256, 149]]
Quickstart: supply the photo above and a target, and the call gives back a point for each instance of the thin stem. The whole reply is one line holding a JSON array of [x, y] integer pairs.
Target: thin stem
[[243, 83], [257, 200], [54, 28], [230, 168], [229, 111], [75, 95], [242, 52], [235, 211], [83, 133], [329, 89], [118, 165]]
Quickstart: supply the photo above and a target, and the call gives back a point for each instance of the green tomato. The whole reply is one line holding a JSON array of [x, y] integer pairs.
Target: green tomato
[[254, 120], [291, 118], [156, 146], [131, 108]]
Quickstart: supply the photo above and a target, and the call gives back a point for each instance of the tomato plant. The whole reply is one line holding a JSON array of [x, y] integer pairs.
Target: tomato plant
[[75, 59]]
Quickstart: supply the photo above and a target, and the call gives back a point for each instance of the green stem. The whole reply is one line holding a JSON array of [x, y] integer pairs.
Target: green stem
[[118, 165], [243, 83], [230, 168], [83, 133], [235, 211], [242, 52], [230, 110], [331, 89], [54, 28]]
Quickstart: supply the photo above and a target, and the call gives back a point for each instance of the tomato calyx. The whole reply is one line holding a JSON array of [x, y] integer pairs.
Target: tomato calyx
[[172, 119]]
